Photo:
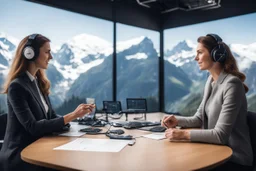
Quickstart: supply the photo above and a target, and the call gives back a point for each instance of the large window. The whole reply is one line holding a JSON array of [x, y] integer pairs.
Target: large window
[[82, 52], [184, 82], [82, 65], [137, 65]]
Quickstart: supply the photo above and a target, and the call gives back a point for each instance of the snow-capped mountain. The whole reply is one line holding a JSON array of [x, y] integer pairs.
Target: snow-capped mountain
[[136, 76], [79, 54], [84, 51], [9, 40], [84, 44], [75, 57], [7, 47], [86, 54], [182, 53], [123, 45]]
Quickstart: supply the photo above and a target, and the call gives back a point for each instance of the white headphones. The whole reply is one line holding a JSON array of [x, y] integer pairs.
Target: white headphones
[[31, 49]]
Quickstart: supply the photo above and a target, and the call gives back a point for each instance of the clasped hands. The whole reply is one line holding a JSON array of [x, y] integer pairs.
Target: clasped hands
[[170, 122]]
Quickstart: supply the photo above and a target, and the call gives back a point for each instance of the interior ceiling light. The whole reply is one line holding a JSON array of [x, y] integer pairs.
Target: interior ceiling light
[[184, 5], [145, 2]]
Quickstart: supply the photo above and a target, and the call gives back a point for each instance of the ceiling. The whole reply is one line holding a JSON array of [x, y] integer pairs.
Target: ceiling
[[156, 14]]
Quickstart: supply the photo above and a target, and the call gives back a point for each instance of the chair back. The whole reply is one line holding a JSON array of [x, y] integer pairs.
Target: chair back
[[251, 118], [139, 104], [112, 107], [3, 123]]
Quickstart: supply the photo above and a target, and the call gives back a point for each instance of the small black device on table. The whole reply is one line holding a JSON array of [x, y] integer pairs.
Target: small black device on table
[[120, 137], [154, 129], [91, 130], [116, 131], [136, 124]]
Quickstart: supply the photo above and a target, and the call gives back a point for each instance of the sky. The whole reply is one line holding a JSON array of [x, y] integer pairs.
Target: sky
[[21, 18]]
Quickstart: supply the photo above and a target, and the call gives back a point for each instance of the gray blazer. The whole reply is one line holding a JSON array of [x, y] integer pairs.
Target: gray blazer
[[226, 119]]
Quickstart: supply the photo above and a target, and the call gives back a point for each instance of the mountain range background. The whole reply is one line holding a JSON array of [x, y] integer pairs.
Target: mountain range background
[[82, 67]]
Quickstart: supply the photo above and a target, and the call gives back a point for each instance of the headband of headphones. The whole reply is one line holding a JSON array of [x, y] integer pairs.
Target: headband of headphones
[[215, 37], [218, 53], [31, 49]]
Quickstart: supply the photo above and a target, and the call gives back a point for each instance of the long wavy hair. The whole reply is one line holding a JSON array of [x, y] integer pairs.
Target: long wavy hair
[[20, 65], [230, 65]]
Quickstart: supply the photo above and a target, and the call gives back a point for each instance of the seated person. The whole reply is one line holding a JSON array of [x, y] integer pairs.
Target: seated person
[[222, 114], [30, 113]]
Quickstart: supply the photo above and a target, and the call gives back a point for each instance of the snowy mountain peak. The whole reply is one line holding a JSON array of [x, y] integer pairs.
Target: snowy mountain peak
[[185, 45], [84, 44], [182, 53], [7, 47], [123, 45], [90, 41], [5, 37], [190, 43]]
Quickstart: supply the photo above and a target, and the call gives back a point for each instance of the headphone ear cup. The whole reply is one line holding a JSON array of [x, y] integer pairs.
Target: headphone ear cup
[[29, 52], [219, 54]]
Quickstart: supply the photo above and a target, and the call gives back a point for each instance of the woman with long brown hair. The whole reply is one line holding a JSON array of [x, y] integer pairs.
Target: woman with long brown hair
[[30, 114], [222, 114]]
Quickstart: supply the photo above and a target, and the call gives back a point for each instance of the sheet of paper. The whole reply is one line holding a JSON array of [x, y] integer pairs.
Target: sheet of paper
[[155, 136], [97, 145]]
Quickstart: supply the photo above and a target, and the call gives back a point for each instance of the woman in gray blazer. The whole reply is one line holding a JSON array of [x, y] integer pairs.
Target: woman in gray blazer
[[222, 114], [30, 113]]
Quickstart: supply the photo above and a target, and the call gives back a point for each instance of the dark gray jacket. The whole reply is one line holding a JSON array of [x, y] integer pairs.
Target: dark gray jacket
[[26, 122]]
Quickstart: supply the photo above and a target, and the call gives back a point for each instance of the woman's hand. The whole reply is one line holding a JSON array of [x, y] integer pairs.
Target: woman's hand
[[169, 121], [79, 112], [177, 134], [83, 109]]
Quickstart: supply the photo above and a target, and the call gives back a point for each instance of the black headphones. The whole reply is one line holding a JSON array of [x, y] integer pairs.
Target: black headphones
[[31, 49], [218, 53]]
